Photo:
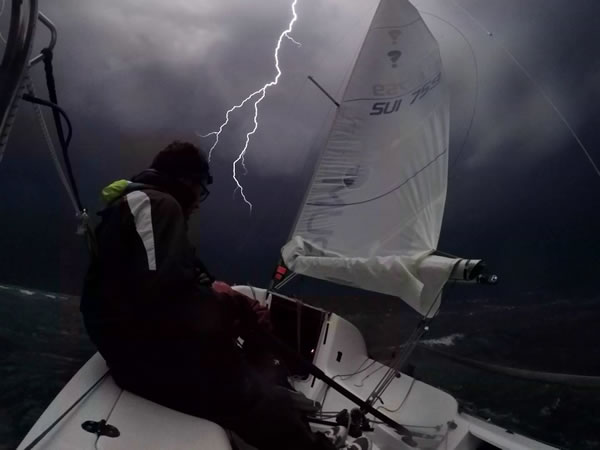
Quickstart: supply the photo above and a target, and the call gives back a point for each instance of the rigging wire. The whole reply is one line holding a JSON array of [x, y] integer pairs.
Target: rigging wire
[[537, 86], [345, 376], [402, 357], [408, 347], [46, 133], [30, 96], [67, 411], [48, 56]]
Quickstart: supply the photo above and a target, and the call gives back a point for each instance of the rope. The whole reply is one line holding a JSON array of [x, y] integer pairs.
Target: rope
[[54, 107], [58, 123], [402, 357], [345, 376], [362, 382], [412, 383], [281, 347], [69, 184], [299, 305], [62, 416], [359, 370], [84, 228], [407, 349], [46, 133]]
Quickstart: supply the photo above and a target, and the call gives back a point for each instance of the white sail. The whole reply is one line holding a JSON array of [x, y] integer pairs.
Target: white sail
[[373, 212]]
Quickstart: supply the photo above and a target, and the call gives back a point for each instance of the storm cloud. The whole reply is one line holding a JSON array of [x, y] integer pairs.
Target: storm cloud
[[136, 74]]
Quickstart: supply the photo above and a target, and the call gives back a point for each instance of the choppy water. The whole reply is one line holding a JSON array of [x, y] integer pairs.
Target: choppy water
[[43, 343]]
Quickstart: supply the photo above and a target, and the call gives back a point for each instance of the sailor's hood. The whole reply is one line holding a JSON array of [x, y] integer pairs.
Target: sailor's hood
[[149, 179]]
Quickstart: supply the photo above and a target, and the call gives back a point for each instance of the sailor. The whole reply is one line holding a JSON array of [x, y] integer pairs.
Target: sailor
[[165, 327]]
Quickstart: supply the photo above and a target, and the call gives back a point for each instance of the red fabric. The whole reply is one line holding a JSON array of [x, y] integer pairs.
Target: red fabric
[[243, 308]]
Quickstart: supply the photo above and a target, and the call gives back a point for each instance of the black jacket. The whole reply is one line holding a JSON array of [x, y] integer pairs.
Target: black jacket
[[141, 298]]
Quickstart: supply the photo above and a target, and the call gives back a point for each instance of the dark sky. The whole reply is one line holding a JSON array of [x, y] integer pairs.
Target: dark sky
[[134, 76]]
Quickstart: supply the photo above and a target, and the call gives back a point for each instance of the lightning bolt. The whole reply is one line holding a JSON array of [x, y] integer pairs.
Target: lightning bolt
[[258, 95]]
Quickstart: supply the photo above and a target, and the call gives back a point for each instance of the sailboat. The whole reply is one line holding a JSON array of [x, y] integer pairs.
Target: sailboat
[[371, 219]]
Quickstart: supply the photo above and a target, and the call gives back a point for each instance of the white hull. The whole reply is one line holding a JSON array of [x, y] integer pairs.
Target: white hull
[[429, 412]]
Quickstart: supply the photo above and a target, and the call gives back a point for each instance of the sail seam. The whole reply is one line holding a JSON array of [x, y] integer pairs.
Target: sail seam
[[385, 193], [398, 26]]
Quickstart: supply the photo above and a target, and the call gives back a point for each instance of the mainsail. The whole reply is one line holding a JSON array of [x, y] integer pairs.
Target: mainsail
[[373, 212]]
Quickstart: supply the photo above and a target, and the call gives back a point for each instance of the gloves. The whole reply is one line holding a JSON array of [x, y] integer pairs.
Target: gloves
[[201, 275]]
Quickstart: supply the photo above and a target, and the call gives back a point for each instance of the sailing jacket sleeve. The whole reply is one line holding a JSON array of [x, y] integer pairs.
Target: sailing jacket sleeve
[[168, 270]]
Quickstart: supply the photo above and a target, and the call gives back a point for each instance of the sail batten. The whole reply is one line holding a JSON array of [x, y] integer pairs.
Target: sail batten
[[373, 212]]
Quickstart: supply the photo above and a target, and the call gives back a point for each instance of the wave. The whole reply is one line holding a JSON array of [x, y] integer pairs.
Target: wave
[[446, 341], [33, 293], [496, 308]]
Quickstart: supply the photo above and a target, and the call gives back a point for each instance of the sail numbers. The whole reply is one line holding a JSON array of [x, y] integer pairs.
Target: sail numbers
[[393, 105]]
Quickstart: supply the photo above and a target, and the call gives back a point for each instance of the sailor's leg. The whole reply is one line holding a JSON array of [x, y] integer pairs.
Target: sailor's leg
[[260, 413], [271, 422]]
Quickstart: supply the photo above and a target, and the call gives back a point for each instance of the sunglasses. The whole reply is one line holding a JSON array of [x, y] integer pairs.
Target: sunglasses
[[203, 181], [204, 193]]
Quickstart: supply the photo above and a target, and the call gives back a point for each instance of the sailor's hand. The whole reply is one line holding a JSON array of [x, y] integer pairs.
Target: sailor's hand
[[222, 288], [263, 315], [246, 310], [204, 279]]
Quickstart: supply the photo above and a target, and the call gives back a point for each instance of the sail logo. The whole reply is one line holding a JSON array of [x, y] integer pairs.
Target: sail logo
[[390, 89], [394, 56], [395, 34]]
